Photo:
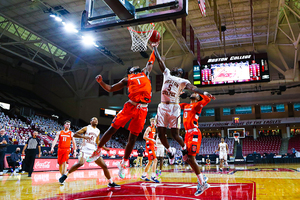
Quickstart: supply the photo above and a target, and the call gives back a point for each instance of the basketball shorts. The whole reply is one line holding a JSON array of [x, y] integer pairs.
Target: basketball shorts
[[223, 156], [168, 115], [63, 155], [85, 153], [192, 140], [136, 113], [151, 152], [160, 152]]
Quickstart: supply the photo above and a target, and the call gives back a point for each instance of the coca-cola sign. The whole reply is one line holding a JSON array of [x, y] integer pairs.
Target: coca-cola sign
[[42, 164]]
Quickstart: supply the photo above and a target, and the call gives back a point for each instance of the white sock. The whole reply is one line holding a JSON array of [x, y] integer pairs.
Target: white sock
[[67, 173], [200, 179], [226, 164], [144, 173], [183, 148], [169, 149], [110, 181], [153, 174]]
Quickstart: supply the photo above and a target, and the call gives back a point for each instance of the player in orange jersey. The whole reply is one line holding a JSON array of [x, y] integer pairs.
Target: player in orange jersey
[[193, 137], [135, 109], [65, 137], [150, 142]]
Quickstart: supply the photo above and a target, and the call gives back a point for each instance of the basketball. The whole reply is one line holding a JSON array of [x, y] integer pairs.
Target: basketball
[[155, 37]]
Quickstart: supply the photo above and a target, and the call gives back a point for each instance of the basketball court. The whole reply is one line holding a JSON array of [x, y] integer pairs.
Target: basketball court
[[245, 182], [121, 31]]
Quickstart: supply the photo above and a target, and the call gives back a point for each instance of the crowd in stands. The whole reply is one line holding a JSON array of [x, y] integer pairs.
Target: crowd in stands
[[18, 133]]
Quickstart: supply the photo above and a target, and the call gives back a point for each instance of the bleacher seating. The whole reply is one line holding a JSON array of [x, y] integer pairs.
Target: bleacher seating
[[266, 144], [294, 142], [209, 145]]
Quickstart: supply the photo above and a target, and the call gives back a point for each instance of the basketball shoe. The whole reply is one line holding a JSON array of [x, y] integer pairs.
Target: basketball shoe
[[154, 179], [121, 167], [158, 172], [144, 178], [184, 155], [201, 188], [96, 154], [62, 179], [113, 185], [172, 155]]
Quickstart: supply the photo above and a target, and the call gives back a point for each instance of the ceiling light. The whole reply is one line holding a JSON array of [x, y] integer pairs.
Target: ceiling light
[[88, 40], [70, 27], [58, 19], [52, 15]]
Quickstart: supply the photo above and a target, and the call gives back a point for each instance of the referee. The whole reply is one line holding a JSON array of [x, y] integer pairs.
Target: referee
[[31, 145]]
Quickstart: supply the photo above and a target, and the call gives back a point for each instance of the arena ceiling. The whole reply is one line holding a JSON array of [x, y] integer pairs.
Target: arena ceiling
[[28, 34]]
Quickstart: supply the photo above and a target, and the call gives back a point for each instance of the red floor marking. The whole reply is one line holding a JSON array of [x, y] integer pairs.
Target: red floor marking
[[167, 191]]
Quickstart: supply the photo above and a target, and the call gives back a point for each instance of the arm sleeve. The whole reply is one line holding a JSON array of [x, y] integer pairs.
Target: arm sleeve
[[182, 105], [202, 103]]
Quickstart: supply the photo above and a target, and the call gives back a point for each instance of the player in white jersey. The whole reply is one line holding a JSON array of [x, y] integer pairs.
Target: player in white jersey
[[160, 154], [90, 135], [223, 149], [168, 111]]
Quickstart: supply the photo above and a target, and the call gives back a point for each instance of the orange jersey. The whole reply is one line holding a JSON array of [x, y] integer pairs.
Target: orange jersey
[[139, 88], [65, 139], [191, 112], [151, 136]]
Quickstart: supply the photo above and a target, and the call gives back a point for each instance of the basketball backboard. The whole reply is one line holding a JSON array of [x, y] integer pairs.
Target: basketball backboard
[[98, 15], [231, 132]]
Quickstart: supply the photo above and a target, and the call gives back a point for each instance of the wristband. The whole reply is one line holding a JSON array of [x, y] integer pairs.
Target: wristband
[[205, 93]]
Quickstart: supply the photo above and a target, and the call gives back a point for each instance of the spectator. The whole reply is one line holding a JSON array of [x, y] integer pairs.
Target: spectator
[[32, 144], [293, 152], [140, 156], [3, 147], [45, 153], [207, 160], [16, 159]]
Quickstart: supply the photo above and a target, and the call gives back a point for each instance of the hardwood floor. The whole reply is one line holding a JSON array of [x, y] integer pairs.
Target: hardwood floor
[[264, 181]]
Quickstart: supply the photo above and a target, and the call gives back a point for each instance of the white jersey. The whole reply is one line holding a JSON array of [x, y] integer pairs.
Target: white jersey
[[93, 133], [223, 147], [158, 143], [172, 87]]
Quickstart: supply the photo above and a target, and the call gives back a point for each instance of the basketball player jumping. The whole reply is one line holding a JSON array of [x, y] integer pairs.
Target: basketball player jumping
[[168, 111], [223, 149], [150, 142], [135, 109], [193, 136], [90, 135], [65, 137]]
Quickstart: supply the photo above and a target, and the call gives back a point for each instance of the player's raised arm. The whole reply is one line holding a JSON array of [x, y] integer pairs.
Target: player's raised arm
[[80, 133], [161, 63], [147, 70], [199, 91], [111, 88]]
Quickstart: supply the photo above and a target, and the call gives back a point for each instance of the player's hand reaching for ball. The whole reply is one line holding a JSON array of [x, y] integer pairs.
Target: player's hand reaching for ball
[[209, 95], [99, 78], [154, 44]]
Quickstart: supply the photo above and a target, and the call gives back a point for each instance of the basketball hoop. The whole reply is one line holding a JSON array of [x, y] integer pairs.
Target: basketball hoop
[[140, 35]]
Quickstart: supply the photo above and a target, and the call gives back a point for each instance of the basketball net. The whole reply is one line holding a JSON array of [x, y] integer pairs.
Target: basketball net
[[140, 35], [236, 138]]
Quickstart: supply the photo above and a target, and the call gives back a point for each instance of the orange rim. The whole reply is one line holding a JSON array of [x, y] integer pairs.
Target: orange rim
[[130, 29]]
